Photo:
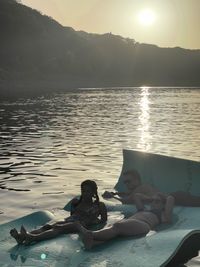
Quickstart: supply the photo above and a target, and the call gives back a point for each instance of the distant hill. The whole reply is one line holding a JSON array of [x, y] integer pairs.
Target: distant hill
[[35, 48]]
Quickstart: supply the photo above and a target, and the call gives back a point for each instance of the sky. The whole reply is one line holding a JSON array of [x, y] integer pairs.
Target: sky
[[166, 23]]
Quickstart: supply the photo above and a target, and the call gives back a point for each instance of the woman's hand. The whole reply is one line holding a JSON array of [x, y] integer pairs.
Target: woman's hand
[[107, 194]]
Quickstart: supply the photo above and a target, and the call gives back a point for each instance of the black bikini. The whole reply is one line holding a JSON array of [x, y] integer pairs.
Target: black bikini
[[86, 216], [158, 213]]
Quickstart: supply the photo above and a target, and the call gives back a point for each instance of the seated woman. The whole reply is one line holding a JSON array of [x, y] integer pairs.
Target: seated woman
[[87, 210], [140, 223]]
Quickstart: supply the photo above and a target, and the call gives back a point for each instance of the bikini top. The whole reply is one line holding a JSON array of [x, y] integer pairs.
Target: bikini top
[[89, 214], [158, 213]]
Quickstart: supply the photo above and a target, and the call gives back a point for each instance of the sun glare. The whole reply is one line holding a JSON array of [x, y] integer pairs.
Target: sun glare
[[146, 17]]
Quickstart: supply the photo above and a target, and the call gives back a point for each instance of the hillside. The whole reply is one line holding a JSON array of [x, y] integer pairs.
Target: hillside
[[35, 47]]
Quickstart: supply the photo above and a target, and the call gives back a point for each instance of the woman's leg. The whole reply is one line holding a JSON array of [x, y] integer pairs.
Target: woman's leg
[[55, 231], [186, 199], [46, 227], [30, 238], [42, 229], [127, 227]]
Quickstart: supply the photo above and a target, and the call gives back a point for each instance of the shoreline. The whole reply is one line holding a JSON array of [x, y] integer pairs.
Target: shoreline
[[33, 88]]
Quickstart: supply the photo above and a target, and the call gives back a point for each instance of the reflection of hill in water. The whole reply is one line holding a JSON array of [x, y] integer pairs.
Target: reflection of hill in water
[[37, 47]]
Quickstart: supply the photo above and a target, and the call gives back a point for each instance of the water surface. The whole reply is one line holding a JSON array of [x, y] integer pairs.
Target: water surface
[[50, 144]]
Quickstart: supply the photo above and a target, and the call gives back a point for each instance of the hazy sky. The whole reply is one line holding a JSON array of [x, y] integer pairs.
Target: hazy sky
[[167, 23]]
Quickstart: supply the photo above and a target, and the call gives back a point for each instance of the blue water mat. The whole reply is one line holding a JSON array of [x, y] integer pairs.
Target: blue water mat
[[162, 247]]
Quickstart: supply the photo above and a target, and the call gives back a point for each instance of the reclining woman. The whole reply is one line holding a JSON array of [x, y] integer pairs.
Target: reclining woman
[[133, 183], [140, 223], [87, 210]]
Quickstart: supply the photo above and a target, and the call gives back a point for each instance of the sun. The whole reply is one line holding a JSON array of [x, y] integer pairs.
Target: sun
[[147, 17]]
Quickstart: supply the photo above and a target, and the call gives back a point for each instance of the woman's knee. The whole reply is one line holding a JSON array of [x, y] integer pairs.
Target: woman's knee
[[117, 227]]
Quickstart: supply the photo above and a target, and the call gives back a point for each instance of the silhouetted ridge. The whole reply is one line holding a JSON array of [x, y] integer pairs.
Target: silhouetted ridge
[[35, 47], [14, 16]]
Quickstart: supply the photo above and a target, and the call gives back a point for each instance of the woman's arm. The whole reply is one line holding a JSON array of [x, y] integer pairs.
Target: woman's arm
[[128, 198], [108, 194], [74, 203], [168, 210], [125, 199], [103, 212], [140, 200]]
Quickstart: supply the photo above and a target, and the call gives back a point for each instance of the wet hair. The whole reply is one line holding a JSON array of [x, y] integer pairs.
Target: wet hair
[[93, 187], [133, 173]]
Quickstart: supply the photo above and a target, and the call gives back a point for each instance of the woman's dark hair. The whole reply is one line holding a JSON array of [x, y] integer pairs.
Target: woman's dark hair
[[93, 187]]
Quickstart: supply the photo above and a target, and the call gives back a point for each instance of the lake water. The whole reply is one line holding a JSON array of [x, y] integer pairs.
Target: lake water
[[50, 144]]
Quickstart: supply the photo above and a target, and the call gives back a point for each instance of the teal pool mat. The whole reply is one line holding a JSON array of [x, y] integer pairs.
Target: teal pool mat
[[156, 249]]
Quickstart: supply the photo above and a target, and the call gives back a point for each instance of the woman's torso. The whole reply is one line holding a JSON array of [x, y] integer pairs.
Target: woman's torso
[[150, 217], [86, 213]]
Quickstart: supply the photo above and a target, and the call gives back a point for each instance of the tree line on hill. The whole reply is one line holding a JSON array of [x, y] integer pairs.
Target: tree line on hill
[[34, 47]]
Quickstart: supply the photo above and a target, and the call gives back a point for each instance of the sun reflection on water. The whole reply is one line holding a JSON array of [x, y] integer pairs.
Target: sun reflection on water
[[144, 118]]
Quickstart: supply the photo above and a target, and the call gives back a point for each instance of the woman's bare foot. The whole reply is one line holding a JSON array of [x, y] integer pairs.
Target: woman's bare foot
[[18, 237], [87, 239], [85, 235], [28, 239], [23, 232]]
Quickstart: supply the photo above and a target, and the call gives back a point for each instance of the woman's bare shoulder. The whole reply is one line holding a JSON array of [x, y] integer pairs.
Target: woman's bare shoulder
[[75, 201]]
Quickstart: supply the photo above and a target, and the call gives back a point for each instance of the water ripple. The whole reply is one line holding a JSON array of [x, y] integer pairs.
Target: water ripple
[[49, 145]]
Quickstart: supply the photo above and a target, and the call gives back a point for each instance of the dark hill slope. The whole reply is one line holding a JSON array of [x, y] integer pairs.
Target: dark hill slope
[[35, 47]]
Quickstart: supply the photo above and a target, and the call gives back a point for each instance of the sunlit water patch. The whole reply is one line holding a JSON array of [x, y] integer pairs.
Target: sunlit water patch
[[49, 145]]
